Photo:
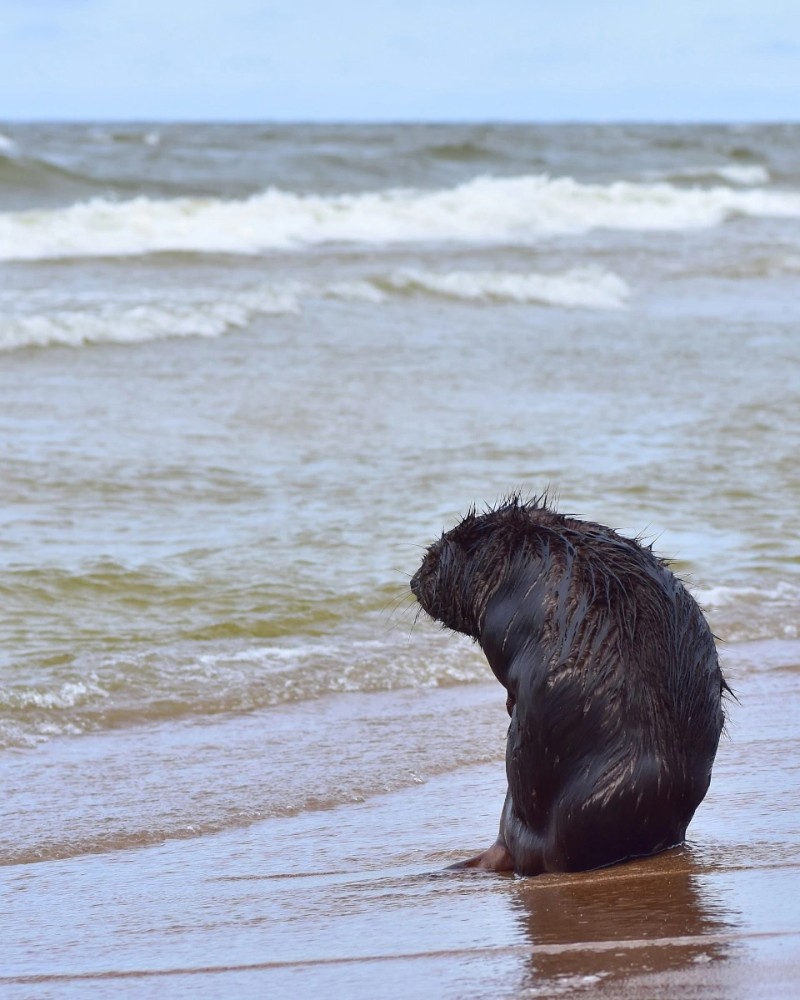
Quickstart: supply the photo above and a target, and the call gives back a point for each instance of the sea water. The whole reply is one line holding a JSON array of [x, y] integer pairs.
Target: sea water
[[247, 374]]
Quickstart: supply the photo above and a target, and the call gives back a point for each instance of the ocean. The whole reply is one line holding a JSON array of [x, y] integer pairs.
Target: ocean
[[247, 374]]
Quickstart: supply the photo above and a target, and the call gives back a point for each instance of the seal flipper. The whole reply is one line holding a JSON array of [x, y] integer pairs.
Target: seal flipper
[[494, 859]]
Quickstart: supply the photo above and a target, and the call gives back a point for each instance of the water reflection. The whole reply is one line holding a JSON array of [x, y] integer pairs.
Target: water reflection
[[646, 916]]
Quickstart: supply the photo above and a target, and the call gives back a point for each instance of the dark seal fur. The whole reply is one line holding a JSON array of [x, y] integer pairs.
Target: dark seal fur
[[614, 686]]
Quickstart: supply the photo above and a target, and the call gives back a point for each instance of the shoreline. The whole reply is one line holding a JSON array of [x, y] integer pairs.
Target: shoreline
[[354, 900]]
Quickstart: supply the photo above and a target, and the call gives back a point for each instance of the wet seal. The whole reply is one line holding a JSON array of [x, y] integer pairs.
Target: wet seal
[[613, 682]]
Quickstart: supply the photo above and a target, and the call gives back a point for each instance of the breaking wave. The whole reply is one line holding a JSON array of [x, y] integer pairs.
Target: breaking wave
[[743, 175], [580, 288], [486, 210], [212, 313]]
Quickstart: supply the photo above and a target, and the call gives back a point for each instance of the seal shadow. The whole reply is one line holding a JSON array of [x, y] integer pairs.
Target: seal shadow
[[649, 915]]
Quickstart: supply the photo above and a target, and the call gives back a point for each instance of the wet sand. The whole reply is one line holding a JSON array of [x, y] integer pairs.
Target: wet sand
[[352, 901], [231, 764]]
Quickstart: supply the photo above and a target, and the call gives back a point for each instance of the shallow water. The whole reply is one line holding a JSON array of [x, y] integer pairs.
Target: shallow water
[[247, 374], [353, 898]]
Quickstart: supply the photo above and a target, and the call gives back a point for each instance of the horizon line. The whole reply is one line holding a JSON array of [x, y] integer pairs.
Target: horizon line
[[388, 121]]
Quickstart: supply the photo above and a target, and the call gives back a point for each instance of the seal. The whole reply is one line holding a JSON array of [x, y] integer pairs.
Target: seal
[[613, 683]]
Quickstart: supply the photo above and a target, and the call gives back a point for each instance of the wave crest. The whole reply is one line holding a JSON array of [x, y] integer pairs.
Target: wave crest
[[579, 288], [198, 316], [514, 210], [743, 175], [212, 314]]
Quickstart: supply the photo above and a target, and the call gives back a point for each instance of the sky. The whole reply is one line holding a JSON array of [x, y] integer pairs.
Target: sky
[[389, 60]]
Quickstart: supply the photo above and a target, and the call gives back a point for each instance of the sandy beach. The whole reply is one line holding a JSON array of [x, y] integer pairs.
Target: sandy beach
[[281, 909], [247, 374]]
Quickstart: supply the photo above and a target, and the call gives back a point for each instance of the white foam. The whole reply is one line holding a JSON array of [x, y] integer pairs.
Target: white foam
[[212, 312], [514, 210], [207, 315], [741, 174], [7, 144], [579, 288], [751, 175], [355, 291], [67, 695], [748, 612], [782, 593]]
